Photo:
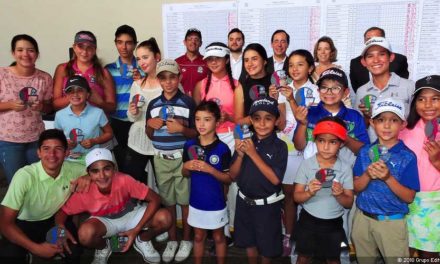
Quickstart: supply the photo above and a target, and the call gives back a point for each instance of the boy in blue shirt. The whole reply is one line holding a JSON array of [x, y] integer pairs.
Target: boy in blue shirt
[[386, 180]]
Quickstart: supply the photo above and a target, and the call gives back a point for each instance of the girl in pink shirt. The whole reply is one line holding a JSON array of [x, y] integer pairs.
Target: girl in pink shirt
[[422, 136]]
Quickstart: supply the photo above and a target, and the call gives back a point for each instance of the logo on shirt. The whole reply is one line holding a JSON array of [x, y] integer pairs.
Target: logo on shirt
[[269, 156], [200, 69], [214, 159]]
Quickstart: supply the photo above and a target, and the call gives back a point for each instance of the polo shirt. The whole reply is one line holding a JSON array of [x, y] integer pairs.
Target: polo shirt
[[377, 197], [38, 196], [251, 181], [88, 124], [183, 107], [206, 191], [123, 79], [192, 72], [397, 88], [323, 204]]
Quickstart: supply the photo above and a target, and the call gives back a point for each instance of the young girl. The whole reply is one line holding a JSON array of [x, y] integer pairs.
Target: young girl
[[85, 126], [85, 62], [208, 171], [140, 149], [424, 217], [301, 66], [25, 93], [324, 187]]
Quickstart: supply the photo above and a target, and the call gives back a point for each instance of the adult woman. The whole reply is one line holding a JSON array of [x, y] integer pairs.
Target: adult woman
[[25, 93], [85, 62]]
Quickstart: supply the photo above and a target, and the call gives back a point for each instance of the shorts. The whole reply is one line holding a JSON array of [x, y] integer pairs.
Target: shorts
[[124, 223], [209, 220], [259, 226], [320, 238], [173, 187]]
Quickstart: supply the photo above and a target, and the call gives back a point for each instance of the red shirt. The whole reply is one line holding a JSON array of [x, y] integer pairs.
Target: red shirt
[[192, 72]]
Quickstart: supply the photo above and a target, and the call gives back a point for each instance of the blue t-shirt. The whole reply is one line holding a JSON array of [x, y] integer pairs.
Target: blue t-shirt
[[377, 197], [206, 191]]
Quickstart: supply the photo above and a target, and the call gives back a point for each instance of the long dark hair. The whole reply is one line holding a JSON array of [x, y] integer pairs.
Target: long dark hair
[[228, 68], [27, 38], [151, 45], [413, 116], [260, 50], [97, 66], [308, 57]]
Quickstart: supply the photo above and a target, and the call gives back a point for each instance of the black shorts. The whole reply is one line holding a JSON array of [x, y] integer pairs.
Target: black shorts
[[259, 226], [316, 237]]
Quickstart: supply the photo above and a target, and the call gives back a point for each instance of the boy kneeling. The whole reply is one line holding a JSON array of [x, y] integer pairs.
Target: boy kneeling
[[109, 201]]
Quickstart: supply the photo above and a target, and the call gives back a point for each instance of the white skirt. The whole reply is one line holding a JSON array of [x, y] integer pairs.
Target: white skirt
[[209, 220]]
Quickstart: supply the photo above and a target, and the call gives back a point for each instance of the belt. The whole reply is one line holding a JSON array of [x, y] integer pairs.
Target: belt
[[268, 200], [170, 156], [384, 217]]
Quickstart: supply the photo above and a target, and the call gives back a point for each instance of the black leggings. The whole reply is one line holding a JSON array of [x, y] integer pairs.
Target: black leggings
[[136, 163]]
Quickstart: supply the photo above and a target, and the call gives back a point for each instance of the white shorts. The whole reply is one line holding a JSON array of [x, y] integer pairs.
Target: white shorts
[[293, 163], [124, 223], [207, 219]]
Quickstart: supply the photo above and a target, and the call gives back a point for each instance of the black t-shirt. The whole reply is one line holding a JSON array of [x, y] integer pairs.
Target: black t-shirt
[[247, 85]]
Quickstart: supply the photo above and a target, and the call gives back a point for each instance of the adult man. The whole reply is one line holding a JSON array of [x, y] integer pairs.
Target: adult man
[[35, 194], [122, 72], [235, 45], [192, 65], [359, 74], [280, 42]]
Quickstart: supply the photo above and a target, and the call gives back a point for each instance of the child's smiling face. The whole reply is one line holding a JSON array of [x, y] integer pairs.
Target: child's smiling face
[[264, 123]]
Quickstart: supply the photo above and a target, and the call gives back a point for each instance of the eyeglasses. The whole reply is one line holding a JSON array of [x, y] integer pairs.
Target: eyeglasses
[[333, 90]]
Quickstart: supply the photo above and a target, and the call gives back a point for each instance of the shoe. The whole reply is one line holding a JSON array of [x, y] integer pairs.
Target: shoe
[[146, 249], [185, 248], [287, 246], [102, 255], [162, 237], [170, 251]]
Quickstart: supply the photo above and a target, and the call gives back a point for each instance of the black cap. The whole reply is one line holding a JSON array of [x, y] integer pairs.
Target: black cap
[[85, 37], [334, 74], [77, 81], [267, 104], [193, 31], [428, 82]]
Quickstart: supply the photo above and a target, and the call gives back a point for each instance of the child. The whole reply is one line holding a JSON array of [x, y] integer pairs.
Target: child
[[208, 171], [424, 214], [258, 166], [385, 179], [301, 65], [85, 126], [169, 125], [376, 57], [324, 187], [113, 212]]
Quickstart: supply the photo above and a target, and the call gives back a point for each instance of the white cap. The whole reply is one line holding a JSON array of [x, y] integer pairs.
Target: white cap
[[98, 154], [216, 51], [376, 41], [389, 105]]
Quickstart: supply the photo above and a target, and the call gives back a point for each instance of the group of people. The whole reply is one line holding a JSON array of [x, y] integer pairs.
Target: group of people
[[239, 140]]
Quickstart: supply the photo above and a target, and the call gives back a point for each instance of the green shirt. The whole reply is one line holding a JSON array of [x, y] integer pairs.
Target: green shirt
[[36, 195]]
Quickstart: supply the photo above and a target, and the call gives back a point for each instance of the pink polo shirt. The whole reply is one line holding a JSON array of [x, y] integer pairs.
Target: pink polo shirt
[[90, 76], [429, 176], [221, 92]]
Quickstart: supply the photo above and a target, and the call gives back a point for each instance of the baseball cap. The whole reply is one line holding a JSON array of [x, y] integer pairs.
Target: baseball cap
[[193, 31], [333, 74], [167, 65], [85, 37], [429, 82], [376, 41], [77, 81], [266, 104], [389, 105], [216, 51], [98, 154], [332, 128]]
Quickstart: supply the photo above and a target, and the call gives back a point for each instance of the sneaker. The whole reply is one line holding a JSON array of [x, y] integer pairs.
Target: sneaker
[[102, 255], [146, 249], [287, 246], [185, 248], [162, 237], [170, 251]]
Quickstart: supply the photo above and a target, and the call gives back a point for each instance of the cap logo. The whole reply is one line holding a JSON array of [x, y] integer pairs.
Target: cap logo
[[166, 63], [388, 103], [86, 37], [428, 79], [263, 102], [373, 40], [332, 72]]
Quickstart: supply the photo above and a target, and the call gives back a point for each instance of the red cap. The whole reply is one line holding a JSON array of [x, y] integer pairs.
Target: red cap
[[330, 127]]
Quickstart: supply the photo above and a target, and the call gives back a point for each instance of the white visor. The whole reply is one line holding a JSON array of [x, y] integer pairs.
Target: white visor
[[216, 51]]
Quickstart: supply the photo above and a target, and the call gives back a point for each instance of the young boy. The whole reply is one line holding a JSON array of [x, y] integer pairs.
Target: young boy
[[385, 187], [258, 166], [376, 57], [324, 187], [109, 201], [170, 123]]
